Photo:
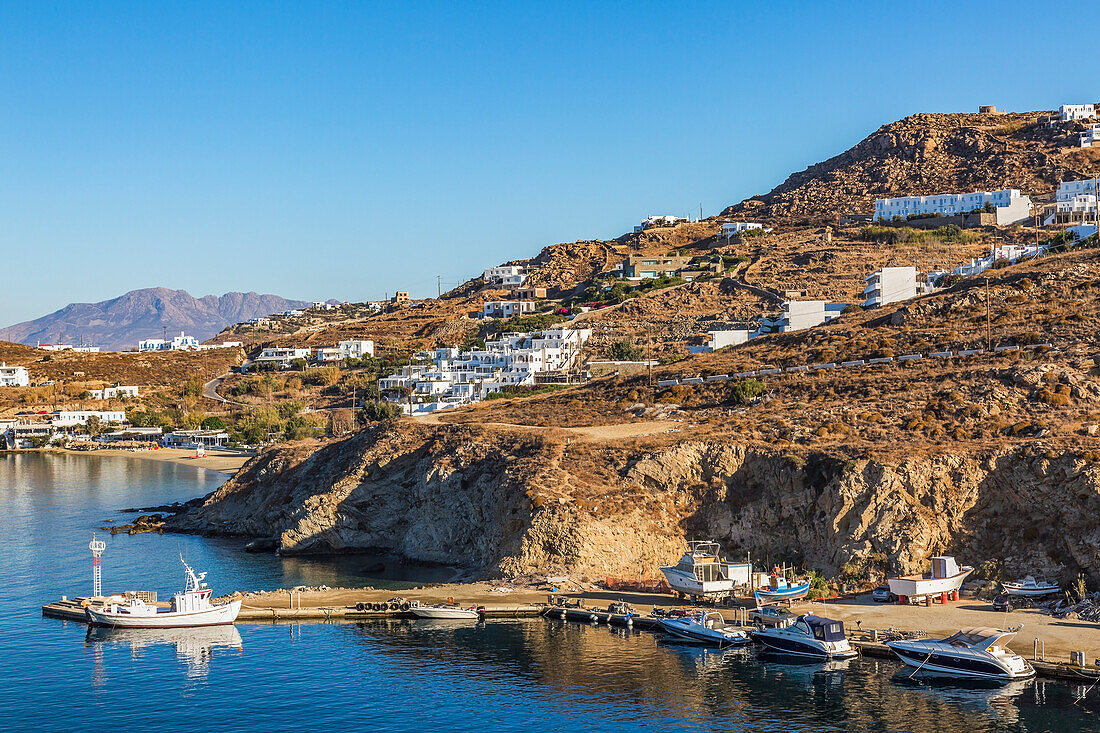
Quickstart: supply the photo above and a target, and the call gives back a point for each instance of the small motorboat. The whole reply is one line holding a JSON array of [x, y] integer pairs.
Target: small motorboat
[[974, 653], [449, 611], [189, 608], [808, 636], [781, 591], [708, 627], [1030, 587]]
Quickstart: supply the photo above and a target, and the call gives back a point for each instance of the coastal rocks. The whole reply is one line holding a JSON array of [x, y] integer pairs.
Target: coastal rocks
[[503, 502]]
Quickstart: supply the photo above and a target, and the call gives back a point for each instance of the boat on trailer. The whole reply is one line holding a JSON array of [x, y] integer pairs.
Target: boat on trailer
[[703, 572], [779, 589], [946, 577], [191, 607], [1030, 587], [973, 653]]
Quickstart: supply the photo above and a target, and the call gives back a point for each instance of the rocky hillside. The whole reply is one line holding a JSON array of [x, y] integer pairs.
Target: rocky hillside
[[121, 322], [926, 154], [505, 502]]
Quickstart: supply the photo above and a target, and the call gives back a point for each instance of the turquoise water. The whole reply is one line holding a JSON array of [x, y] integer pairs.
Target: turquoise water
[[398, 676]]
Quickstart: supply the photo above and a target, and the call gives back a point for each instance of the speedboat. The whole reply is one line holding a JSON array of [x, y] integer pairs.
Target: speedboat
[[1030, 587], [450, 611], [708, 627], [703, 572], [972, 653], [808, 636], [946, 577], [190, 607]]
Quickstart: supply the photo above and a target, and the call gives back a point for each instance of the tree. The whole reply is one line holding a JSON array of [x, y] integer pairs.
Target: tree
[[376, 411], [625, 351], [93, 426], [214, 423], [193, 386]]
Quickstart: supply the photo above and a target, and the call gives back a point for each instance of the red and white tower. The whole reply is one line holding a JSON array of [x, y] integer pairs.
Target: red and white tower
[[97, 547]]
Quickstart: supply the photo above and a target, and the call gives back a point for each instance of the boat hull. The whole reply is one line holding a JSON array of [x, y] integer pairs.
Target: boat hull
[[785, 644], [451, 614], [695, 632], [783, 594], [692, 586], [219, 615], [912, 587], [1026, 592], [943, 664]]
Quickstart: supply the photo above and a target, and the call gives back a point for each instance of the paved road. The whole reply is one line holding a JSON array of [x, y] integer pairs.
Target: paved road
[[210, 389]]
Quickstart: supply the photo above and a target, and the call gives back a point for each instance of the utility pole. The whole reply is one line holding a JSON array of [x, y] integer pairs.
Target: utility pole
[[988, 328], [438, 286]]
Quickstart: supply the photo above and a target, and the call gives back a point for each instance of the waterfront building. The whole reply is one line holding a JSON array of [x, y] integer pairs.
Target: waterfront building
[[1009, 204], [195, 438], [13, 376], [889, 285], [72, 418], [352, 349]]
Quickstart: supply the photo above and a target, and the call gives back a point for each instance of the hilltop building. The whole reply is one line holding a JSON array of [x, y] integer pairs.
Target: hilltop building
[[802, 314], [1074, 201], [115, 392], [737, 227], [183, 342], [1090, 136], [13, 376], [1070, 112], [457, 377], [658, 221], [281, 356], [1009, 204], [401, 296]]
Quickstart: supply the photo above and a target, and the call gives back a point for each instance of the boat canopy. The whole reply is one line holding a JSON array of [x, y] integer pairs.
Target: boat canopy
[[825, 629], [975, 637]]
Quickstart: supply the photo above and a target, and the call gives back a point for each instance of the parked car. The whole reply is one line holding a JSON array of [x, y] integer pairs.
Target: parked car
[[771, 616], [882, 594], [1005, 602]]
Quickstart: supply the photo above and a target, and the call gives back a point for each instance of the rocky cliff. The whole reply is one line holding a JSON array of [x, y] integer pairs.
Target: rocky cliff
[[509, 502]]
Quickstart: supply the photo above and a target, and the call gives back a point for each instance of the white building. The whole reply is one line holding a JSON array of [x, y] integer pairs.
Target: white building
[[495, 274], [80, 348], [281, 355], [195, 438], [889, 285], [113, 393], [354, 349], [800, 314], [658, 221], [13, 376], [736, 227], [1010, 205], [1074, 200], [1070, 112], [183, 342], [456, 377], [71, 418], [1090, 136], [722, 339], [507, 308]]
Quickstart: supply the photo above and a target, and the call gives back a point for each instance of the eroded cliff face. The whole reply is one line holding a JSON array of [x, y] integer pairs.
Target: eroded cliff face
[[499, 502]]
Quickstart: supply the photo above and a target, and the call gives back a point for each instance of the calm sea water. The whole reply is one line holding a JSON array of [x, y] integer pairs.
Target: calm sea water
[[400, 676]]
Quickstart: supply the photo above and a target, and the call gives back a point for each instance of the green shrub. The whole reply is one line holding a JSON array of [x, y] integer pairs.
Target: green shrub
[[746, 390]]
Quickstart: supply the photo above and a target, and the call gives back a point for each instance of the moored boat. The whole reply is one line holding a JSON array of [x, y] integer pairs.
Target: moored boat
[[1030, 587], [974, 653], [808, 636], [449, 611], [708, 627], [191, 607]]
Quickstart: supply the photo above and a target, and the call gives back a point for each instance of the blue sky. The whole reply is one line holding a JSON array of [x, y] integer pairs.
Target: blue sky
[[347, 150]]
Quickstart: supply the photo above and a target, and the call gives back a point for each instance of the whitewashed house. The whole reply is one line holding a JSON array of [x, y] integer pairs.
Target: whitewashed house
[[889, 285], [1074, 200], [13, 376], [666, 220], [497, 274], [507, 308], [456, 377], [352, 349], [113, 393], [801, 314], [1089, 136], [183, 342], [282, 356], [720, 339], [1009, 204], [72, 418], [731, 228], [1070, 112]]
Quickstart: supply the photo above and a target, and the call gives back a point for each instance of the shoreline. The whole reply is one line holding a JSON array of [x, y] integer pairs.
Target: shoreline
[[226, 464]]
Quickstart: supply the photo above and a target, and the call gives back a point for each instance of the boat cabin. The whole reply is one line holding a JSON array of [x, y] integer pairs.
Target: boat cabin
[[822, 629]]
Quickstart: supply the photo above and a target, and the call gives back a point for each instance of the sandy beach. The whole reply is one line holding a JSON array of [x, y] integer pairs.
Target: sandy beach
[[226, 463]]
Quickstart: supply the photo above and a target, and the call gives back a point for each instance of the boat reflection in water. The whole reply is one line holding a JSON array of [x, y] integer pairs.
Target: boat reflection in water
[[804, 669], [194, 646], [978, 695]]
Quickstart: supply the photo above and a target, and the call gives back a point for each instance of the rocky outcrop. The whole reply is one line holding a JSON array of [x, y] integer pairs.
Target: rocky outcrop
[[510, 503]]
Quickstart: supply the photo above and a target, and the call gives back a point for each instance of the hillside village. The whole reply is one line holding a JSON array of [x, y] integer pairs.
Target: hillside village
[[682, 307]]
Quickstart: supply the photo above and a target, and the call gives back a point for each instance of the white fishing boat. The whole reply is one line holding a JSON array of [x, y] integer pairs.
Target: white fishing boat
[[968, 653], [449, 611], [946, 577], [1030, 587], [703, 572], [708, 627], [190, 607]]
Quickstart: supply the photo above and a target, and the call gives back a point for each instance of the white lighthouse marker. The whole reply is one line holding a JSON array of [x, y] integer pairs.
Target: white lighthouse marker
[[97, 547]]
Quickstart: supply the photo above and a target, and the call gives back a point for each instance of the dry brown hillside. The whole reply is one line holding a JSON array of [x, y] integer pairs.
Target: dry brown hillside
[[926, 154]]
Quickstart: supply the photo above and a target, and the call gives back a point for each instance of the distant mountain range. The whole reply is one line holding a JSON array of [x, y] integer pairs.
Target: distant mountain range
[[121, 322]]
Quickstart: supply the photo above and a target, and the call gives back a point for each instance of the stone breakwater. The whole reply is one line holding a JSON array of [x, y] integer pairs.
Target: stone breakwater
[[501, 502]]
